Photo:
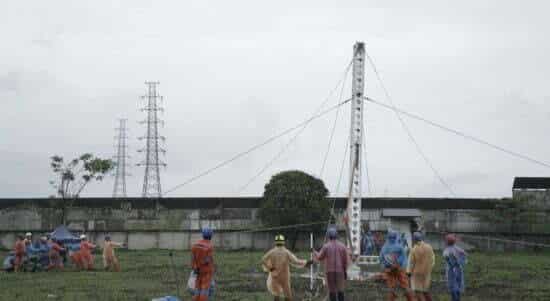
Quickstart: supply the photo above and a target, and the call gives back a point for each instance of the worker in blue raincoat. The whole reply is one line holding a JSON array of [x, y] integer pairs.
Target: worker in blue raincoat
[[394, 262], [367, 244], [455, 260], [404, 243]]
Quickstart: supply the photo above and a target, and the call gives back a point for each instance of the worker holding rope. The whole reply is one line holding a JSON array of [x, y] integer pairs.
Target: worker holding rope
[[277, 262], [455, 260], [421, 262], [336, 259], [394, 261]]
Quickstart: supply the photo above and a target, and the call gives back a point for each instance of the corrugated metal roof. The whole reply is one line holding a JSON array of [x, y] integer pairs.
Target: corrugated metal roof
[[401, 212], [531, 183]]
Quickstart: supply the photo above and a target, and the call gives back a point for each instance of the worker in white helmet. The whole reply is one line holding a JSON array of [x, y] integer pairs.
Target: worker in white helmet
[[28, 238], [86, 256]]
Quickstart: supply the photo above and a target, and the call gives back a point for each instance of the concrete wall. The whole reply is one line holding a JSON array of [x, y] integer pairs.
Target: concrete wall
[[174, 223]]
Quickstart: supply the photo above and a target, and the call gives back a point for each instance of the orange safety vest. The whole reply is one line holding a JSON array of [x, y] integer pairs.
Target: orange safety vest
[[203, 256]]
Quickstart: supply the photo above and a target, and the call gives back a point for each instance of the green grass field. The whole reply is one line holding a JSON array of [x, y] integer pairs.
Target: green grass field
[[149, 274]]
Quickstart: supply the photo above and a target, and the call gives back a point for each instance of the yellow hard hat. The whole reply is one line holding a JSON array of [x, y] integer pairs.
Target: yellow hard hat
[[279, 239]]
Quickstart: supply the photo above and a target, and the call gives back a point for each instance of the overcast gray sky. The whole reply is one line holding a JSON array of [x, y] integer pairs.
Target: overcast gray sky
[[236, 72]]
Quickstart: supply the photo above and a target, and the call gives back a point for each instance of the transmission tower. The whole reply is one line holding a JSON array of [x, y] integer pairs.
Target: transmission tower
[[153, 141], [119, 190]]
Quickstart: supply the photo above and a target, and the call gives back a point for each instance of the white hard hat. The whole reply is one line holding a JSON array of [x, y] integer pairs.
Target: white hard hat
[[82, 236], [28, 234]]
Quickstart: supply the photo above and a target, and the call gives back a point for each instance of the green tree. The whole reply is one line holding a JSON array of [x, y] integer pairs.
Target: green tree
[[294, 197], [73, 176]]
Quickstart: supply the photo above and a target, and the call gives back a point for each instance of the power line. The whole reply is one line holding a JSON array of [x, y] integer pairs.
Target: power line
[[340, 176], [333, 129], [291, 141], [337, 188], [489, 238], [408, 131], [253, 230], [255, 147], [459, 133], [366, 161]]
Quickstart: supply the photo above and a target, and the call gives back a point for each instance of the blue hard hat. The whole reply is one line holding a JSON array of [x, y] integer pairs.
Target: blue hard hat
[[392, 235], [417, 236], [206, 233], [332, 233]]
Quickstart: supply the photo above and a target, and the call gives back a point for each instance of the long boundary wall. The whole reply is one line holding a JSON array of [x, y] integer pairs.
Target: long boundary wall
[[173, 223]]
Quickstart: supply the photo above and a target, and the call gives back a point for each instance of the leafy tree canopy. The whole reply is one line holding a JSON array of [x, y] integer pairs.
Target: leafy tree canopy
[[74, 175], [295, 197]]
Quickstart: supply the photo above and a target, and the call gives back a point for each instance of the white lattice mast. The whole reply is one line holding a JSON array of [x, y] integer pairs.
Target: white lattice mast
[[153, 143], [121, 160], [356, 135]]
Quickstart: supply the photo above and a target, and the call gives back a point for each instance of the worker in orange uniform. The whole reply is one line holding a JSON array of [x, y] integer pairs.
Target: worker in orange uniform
[[19, 253], [202, 263], [86, 256], [74, 254], [54, 255], [109, 259]]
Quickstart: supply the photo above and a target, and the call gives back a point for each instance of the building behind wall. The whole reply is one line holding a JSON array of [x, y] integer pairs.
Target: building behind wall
[[535, 191]]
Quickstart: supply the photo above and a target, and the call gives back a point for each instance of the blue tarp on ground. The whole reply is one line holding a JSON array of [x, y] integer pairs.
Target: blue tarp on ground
[[63, 235]]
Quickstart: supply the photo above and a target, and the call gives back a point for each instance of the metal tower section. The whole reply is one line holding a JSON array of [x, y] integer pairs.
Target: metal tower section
[[119, 190], [354, 201], [153, 143]]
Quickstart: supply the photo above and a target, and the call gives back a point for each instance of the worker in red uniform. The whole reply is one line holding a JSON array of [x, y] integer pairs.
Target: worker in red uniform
[[74, 254], [56, 262], [86, 256], [202, 263], [19, 253]]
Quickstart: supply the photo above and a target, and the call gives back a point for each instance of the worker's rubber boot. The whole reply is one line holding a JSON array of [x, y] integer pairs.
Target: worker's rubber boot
[[340, 296], [333, 297], [276, 299], [427, 296]]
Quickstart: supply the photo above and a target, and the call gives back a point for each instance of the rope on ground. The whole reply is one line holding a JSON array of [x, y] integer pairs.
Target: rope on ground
[[255, 147], [459, 133], [408, 130]]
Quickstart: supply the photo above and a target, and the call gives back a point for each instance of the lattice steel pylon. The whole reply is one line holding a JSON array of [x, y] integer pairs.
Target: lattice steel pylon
[[153, 143], [121, 160], [354, 201]]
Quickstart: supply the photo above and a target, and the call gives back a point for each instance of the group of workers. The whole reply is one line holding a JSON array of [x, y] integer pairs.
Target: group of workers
[[415, 268], [403, 269], [51, 253]]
